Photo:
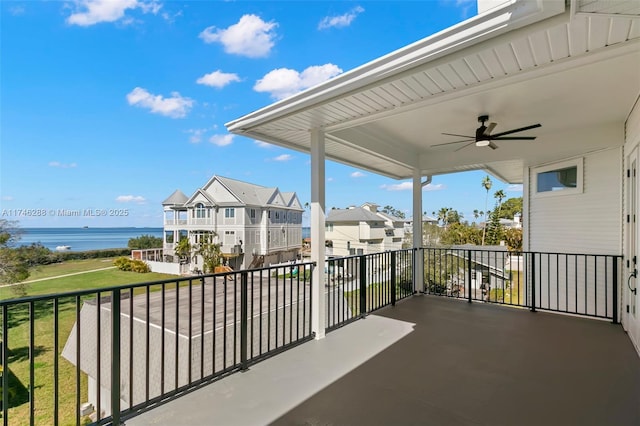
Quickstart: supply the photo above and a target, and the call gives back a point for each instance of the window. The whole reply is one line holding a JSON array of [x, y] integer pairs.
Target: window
[[229, 238], [252, 213], [229, 212], [329, 227], [200, 211], [168, 237], [559, 179]]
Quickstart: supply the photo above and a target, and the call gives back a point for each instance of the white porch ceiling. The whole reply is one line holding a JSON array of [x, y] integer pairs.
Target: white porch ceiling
[[569, 72]]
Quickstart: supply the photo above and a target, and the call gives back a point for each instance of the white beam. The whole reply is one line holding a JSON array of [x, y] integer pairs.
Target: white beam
[[318, 320], [418, 277]]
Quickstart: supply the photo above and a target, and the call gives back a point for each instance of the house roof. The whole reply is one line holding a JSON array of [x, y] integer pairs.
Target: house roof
[[390, 217], [524, 62], [175, 199], [245, 193], [356, 214]]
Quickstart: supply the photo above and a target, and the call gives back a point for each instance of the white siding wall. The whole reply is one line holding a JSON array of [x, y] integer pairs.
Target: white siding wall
[[590, 222]]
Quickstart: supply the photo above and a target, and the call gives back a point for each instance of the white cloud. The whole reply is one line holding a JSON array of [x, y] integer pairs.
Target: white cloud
[[221, 140], [218, 79], [357, 175], [407, 186], [152, 7], [432, 187], [404, 186], [283, 157], [251, 37], [62, 165], [330, 179], [7, 198], [175, 107], [515, 188], [91, 12], [196, 135], [283, 82], [138, 199], [340, 20], [262, 144]]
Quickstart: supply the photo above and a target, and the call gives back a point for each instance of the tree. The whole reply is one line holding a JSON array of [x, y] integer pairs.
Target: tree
[[443, 215], [499, 195], [393, 212], [210, 252], [144, 242], [183, 249], [454, 216], [13, 267], [459, 233], [513, 238], [494, 229], [511, 207], [486, 184]]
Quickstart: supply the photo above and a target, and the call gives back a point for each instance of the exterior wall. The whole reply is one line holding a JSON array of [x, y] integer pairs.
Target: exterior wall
[[165, 267], [590, 222]]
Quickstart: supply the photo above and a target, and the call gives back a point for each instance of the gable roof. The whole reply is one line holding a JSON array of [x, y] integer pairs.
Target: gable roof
[[200, 193], [356, 214], [522, 62], [391, 217], [246, 193]]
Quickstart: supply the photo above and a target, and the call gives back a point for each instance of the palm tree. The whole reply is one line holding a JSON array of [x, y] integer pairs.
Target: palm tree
[[183, 249], [443, 215], [499, 195], [210, 252], [486, 184]]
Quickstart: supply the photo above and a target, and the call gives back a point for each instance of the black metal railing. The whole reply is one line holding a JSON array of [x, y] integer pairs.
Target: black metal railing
[[581, 284], [358, 285], [104, 355]]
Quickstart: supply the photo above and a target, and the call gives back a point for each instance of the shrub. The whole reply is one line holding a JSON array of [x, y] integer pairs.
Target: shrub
[[133, 265]]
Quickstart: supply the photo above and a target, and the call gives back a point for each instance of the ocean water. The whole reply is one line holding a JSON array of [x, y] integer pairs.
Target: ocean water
[[83, 239]]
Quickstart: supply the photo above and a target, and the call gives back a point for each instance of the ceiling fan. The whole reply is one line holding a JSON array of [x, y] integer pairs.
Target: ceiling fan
[[484, 137]]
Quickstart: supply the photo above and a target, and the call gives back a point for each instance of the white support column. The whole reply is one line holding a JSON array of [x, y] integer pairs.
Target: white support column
[[318, 317], [418, 277]]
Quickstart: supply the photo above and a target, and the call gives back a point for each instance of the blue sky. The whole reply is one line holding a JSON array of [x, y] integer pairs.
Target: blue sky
[[111, 105]]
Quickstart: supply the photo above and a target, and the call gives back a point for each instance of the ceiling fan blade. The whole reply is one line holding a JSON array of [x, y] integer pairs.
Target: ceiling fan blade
[[460, 136], [521, 129], [449, 143], [489, 129], [492, 145], [464, 146], [514, 138]]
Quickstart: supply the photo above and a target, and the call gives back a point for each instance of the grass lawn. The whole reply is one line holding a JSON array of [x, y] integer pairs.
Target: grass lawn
[[18, 339], [88, 281], [69, 267]]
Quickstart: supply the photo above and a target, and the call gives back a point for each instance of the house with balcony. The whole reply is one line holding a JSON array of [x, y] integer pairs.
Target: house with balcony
[[363, 230], [253, 224]]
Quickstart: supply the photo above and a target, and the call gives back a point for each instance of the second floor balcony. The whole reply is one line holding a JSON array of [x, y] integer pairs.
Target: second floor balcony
[[450, 352]]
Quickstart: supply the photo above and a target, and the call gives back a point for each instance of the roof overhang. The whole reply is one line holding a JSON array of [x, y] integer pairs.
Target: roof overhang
[[522, 63]]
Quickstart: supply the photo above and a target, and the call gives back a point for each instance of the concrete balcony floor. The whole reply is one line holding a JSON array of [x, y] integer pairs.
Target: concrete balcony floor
[[432, 361]]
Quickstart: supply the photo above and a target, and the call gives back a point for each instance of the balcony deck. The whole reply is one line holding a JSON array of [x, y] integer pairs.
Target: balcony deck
[[431, 360]]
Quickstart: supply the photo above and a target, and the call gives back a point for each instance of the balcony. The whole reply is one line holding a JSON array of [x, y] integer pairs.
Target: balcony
[[469, 350], [433, 361]]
